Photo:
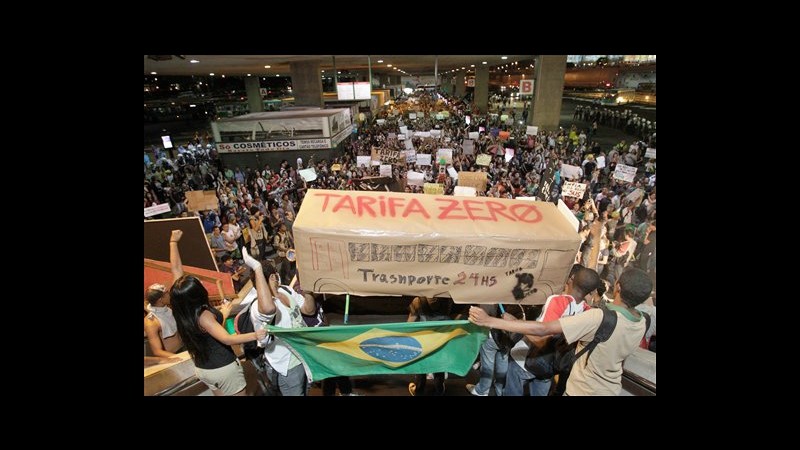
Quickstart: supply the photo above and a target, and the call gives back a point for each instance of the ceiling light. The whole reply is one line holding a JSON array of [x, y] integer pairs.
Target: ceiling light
[[323, 71], [153, 73], [380, 61], [268, 67], [504, 57], [248, 75], [483, 62], [472, 65], [211, 74], [388, 65], [339, 73], [194, 61], [223, 75], [277, 74], [463, 68]]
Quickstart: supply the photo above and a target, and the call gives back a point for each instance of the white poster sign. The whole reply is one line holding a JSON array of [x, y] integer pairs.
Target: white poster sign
[[650, 153], [601, 162], [473, 134], [401, 137], [423, 159], [386, 170], [436, 133], [167, 141], [411, 156], [308, 174], [156, 209], [532, 130], [381, 121], [572, 189], [465, 191], [404, 130], [468, 147], [625, 173], [409, 145], [509, 154], [452, 172], [570, 172], [412, 116], [415, 178], [364, 161]]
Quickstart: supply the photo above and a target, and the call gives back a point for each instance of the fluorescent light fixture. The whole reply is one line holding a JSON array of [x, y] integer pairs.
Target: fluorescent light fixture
[[268, 67], [194, 61], [504, 57]]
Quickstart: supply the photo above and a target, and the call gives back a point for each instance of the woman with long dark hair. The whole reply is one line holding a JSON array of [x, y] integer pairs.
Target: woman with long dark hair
[[200, 328]]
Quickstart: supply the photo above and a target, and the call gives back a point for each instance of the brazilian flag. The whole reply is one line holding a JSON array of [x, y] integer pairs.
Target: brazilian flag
[[389, 348]]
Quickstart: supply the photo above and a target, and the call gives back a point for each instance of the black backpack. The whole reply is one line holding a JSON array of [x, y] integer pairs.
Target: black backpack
[[243, 325], [557, 356]]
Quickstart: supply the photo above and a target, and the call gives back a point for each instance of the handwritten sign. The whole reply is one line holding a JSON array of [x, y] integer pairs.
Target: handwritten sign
[[433, 188], [336, 167], [363, 161], [601, 162], [202, 200], [474, 134], [409, 145], [475, 179], [625, 173], [465, 191], [446, 153], [572, 189], [423, 159], [401, 137], [415, 178], [477, 249], [483, 159], [650, 153], [636, 196], [387, 156], [386, 170], [308, 174], [156, 209], [570, 172], [411, 156], [532, 130]]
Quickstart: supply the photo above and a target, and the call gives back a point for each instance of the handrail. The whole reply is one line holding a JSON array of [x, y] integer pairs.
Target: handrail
[[641, 381], [187, 383]]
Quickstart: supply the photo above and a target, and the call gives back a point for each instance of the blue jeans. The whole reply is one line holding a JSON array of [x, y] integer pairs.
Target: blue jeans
[[293, 384], [494, 363], [516, 378]]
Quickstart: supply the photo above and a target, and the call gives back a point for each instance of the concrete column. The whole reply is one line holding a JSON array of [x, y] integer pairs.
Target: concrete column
[[548, 90], [482, 88], [306, 83], [461, 88], [251, 85]]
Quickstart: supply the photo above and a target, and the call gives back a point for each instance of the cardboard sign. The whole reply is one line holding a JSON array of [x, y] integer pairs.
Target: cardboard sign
[[625, 173], [386, 170], [571, 189], [475, 179], [532, 130], [636, 196], [483, 159], [202, 200], [365, 161], [570, 172], [567, 213], [475, 250], [387, 156], [423, 159], [308, 174], [465, 191], [650, 153], [415, 178], [336, 167], [433, 188], [452, 172]]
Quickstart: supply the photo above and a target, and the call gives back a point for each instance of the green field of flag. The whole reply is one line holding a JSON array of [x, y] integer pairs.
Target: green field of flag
[[387, 348]]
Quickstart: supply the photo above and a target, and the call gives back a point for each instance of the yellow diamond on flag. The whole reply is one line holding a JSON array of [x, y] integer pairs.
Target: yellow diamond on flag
[[392, 348]]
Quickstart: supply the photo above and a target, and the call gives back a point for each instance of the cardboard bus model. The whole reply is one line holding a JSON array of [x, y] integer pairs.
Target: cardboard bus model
[[474, 250]]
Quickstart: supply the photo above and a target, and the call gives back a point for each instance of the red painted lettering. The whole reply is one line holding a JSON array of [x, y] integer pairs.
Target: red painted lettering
[[446, 209], [395, 202], [327, 197], [363, 205], [471, 209], [498, 208], [341, 203], [522, 212], [414, 206]]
